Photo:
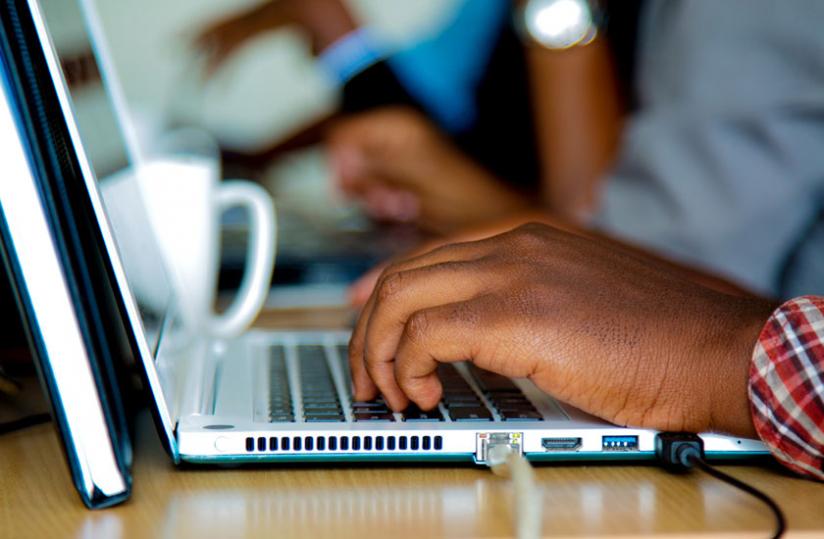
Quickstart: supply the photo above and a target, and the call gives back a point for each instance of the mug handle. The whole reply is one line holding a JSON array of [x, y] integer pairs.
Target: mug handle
[[260, 260]]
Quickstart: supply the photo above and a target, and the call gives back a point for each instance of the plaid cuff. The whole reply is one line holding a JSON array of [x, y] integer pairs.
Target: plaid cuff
[[786, 385]]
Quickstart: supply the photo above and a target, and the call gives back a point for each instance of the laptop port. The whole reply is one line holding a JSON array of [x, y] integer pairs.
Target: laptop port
[[489, 440], [561, 444], [619, 443]]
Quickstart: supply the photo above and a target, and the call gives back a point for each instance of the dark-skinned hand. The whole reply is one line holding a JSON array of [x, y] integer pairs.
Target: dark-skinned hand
[[602, 328]]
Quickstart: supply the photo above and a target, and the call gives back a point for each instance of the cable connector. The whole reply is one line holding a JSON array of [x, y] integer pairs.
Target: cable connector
[[681, 452], [505, 461], [678, 451]]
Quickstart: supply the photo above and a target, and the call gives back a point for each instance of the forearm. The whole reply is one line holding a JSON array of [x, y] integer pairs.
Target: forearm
[[329, 21], [579, 119]]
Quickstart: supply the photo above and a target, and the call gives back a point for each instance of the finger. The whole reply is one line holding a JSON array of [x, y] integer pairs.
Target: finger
[[444, 334], [399, 205], [365, 389], [397, 298], [347, 164]]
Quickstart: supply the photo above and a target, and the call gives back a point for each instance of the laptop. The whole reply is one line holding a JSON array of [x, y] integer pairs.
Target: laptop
[[271, 397]]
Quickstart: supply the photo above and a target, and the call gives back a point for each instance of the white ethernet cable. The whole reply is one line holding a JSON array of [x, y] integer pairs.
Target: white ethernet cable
[[506, 462]]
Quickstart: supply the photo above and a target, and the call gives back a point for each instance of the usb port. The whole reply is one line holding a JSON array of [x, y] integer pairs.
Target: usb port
[[620, 443], [561, 444]]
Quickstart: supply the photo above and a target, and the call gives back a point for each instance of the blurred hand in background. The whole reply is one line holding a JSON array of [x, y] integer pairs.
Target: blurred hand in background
[[404, 169], [325, 21]]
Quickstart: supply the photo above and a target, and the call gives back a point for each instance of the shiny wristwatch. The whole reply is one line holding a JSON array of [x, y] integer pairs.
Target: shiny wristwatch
[[558, 24]]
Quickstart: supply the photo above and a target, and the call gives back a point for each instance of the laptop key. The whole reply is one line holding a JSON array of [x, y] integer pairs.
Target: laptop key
[[494, 383], [521, 416], [324, 419], [415, 414], [373, 417], [323, 412], [470, 414], [378, 403], [320, 405], [370, 408], [463, 404]]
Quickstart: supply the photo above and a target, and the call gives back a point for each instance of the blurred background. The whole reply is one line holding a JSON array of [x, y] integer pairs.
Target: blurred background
[[266, 92]]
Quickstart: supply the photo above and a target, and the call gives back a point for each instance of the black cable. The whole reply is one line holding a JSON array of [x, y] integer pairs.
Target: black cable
[[23, 423], [780, 522], [681, 452]]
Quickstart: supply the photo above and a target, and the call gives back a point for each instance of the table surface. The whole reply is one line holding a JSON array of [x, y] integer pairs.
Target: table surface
[[37, 498]]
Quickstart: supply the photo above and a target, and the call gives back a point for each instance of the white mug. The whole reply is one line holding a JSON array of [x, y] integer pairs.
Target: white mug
[[179, 200]]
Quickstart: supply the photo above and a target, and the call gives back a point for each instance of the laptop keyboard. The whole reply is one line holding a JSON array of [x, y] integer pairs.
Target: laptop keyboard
[[280, 397], [319, 401]]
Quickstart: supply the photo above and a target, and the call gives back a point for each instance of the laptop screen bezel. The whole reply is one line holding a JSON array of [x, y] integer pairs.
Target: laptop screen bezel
[[129, 310]]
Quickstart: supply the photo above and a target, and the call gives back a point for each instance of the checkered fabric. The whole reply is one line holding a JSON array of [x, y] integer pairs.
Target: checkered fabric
[[786, 385]]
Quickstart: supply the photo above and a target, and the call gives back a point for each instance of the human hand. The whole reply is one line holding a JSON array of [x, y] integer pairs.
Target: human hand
[[325, 21], [361, 289], [403, 169], [599, 327]]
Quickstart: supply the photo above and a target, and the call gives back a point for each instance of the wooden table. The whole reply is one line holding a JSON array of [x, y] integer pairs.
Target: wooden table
[[37, 498]]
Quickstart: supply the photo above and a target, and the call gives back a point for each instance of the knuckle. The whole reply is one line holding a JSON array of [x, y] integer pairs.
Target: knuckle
[[390, 285], [531, 235], [418, 326]]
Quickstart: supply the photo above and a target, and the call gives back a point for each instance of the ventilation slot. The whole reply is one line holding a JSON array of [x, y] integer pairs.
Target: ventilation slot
[[343, 443]]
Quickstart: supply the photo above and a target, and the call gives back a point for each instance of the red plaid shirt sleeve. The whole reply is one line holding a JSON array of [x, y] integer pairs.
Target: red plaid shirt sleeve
[[786, 385]]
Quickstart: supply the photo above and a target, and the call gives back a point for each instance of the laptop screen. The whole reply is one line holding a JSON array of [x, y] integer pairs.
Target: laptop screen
[[101, 132]]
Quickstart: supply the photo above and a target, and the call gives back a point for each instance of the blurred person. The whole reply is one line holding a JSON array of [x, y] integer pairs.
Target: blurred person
[[454, 78], [727, 129]]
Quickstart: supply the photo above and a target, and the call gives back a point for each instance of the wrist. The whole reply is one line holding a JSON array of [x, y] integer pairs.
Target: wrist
[[327, 20], [728, 351]]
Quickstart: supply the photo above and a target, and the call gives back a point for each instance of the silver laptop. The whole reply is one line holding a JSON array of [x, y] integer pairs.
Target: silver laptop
[[285, 396]]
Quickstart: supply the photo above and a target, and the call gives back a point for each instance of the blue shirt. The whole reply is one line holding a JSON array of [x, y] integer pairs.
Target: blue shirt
[[443, 70]]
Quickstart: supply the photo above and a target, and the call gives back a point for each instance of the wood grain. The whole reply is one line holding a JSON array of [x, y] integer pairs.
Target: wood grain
[[38, 500]]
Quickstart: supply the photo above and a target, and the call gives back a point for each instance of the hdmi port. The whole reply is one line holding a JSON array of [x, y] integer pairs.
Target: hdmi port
[[561, 444]]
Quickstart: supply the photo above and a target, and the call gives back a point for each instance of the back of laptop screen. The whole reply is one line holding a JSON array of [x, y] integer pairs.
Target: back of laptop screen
[[105, 146]]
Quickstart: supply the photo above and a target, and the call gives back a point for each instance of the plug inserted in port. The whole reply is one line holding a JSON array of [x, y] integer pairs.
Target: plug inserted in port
[[619, 443], [561, 444], [489, 440]]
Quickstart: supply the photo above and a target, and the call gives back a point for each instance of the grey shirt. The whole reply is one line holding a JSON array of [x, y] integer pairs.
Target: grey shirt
[[723, 164]]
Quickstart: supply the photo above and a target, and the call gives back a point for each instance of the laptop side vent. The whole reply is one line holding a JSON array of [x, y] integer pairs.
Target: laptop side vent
[[320, 444]]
